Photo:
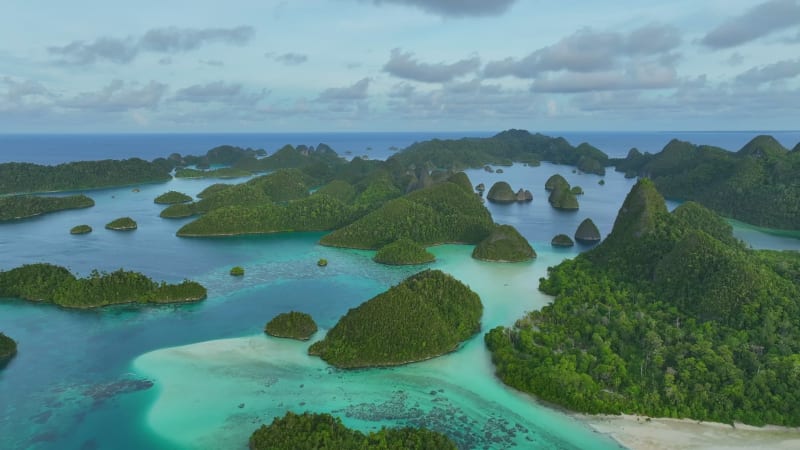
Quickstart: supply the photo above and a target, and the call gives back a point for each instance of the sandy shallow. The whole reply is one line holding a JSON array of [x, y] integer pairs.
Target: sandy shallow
[[636, 433]]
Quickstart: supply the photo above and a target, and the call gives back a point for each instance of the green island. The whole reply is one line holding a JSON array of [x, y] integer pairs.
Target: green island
[[562, 195], [237, 271], [223, 173], [292, 325], [587, 232], [18, 207], [214, 188], [172, 198], [122, 224], [670, 316], [504, 244], [310, 431], [322, 262], [403, 252], [426, 315], [80, 229], [501, 192], [562, 240], [757, 184], [27, 178], [54, 284], [8, 349]]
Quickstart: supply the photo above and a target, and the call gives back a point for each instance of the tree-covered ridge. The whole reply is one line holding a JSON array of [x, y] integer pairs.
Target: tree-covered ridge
[[8, 348], [670, 316], [23, 206], [403, 252], [222, 173], [54, 284], [504, 244], [172, 198], [27, 177], [426, 315], [292, 325], [501, 149], [309, 431], [442, 213], [758, 184]]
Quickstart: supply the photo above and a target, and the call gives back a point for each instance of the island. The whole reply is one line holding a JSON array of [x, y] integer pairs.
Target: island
[[671, 316], [322, 262], [172, 198], [562, 196], [18, 207], [403, 251], [504, 244], [8, 349], [80, 229], [222, 173], [425, 316], [49, 283], [501, 192], [562, 240], [587, 233], [311, 431], [292, 325], [556, 181], [122, 224], [237, 271]]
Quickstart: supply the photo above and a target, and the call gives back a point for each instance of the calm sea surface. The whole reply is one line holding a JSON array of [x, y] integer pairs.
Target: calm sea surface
[[205, 376]]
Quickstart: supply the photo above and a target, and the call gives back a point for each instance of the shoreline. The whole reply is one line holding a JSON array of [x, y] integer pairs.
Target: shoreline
[[640, 432]]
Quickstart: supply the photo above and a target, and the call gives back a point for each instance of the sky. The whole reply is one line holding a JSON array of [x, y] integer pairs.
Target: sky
[[398, 65]]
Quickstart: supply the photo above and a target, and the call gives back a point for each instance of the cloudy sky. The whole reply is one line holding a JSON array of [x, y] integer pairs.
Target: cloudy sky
[[398, 65]]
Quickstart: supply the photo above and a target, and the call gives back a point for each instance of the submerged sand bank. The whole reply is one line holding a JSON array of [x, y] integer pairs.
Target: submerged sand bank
[[637, 433]]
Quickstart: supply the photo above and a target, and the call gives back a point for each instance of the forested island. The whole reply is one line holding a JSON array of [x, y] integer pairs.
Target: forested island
[[80, 229], [670, 316], [172, 198], [310, 431], [403, 252], [17, 207], [426, 315], [54, 284], [122, 224], [758, 184], [562, 195], [504, 244], [292, 325], [8, 349]]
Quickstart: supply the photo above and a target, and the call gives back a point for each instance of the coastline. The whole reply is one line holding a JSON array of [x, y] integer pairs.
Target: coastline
[[639, 432]]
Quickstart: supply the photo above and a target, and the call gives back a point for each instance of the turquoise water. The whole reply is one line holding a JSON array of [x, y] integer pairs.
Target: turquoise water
[[205, 376]]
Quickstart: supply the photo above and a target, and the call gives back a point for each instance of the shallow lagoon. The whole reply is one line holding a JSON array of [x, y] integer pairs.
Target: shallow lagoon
[[176, 376]]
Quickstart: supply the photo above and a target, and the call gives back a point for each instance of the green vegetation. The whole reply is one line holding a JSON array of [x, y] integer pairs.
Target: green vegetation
[[556, 181], [8, 348], [122, 224], [502, 149], [504, 244], [237, 271], [172, 198], [224, 172], [213, 189], [602, 182], [403, 252], [292, 325], [27, 177], [576, 190], [426, 315], [54, 284], [80, 229], [177, 211], [442, 213], [501, 192], [563, 199], [670, 316], [758, 184], [562, 240], [587, 232], [322, 262], [23, 206], [309, 431]]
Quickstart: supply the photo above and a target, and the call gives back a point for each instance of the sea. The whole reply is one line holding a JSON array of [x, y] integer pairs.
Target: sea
[[205, 376]]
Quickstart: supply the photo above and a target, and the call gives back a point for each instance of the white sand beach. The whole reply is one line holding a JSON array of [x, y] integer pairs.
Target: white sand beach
[[638, 433]]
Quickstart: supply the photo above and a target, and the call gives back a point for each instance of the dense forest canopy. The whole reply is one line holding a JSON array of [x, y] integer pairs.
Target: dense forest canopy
[[54, 284], [8, 348], [17, 207], [669, 316], [504, 244], [403, 251], [309, 431], [292, 325], [426, 315]]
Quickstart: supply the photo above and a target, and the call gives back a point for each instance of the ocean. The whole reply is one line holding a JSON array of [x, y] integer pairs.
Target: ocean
[[205, 375]]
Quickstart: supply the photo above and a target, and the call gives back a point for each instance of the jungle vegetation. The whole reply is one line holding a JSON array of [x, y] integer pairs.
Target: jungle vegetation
[[292, 325], [504, 244], [17, 207], [403, 252]]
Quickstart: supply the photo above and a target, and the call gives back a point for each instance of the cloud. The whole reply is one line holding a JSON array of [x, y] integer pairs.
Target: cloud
[[291, 59], [588, 50], [637, 76], [760, 20], [218, 91], [211, 62], [457, 8], [119, 96], [20, 91], [355, 92], [159, 40], [403, 65], [780, 70]]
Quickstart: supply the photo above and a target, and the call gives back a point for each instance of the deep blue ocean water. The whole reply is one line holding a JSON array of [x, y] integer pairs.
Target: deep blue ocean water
[[81, 379]]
